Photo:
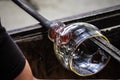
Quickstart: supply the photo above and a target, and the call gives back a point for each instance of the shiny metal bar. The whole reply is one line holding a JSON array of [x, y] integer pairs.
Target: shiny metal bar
[[113, 51]]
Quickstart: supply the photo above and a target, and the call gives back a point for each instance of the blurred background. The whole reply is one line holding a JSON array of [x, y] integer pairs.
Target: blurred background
[[13, 17]]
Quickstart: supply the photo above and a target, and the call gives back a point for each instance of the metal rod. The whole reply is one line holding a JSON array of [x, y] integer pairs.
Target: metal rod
[[113, 51], [28, 8]]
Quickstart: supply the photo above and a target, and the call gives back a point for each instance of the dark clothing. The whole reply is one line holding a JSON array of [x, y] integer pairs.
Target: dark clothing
[[12, 61]]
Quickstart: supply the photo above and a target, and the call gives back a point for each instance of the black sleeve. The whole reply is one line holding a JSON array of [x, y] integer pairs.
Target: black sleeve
[[12, 61]]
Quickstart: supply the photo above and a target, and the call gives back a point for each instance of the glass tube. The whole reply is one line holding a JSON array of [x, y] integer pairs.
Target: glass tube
[[75, 49]]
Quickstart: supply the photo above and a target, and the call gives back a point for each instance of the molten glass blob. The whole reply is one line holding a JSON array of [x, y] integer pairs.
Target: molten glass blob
[[76, 50]]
